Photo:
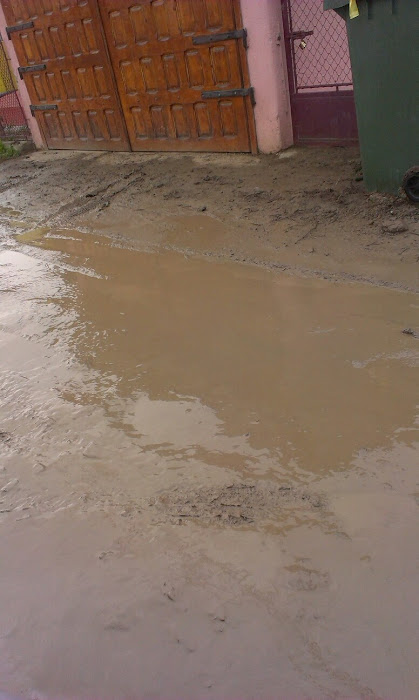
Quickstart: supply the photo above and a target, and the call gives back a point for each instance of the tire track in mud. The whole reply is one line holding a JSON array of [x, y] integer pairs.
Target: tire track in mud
[[99, 198], [17, 181]]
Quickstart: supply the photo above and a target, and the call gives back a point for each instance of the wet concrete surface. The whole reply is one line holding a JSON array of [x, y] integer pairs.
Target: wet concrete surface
[[208, 481]]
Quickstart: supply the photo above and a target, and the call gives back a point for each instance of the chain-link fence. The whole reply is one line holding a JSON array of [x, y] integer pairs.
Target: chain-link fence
[[13, 124], [322, 57]]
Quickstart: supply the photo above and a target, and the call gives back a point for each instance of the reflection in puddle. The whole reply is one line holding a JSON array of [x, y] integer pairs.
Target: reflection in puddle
[[231, 364]]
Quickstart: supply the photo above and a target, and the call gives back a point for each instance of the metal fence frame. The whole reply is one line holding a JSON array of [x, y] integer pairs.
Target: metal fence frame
[[309, 25], [13, 123], [319, 74]]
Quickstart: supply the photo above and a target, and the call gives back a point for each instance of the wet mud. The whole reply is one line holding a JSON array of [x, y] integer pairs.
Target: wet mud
[[236, 503], [303, 210], [208, 474]]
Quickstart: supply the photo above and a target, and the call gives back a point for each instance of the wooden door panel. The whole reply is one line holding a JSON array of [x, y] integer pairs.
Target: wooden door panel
[[76, 89], [161, 73]]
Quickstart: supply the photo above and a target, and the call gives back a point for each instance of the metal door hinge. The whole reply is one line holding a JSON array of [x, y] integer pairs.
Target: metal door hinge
[[31, 69], [18, 27], [43, 108], [213, 38], [238, 92]]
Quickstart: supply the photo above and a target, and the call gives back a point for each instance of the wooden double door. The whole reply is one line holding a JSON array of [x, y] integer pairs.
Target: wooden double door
[[135, 74]]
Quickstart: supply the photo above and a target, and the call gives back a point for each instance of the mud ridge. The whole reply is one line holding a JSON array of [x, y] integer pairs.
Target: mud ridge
[[239, 503]]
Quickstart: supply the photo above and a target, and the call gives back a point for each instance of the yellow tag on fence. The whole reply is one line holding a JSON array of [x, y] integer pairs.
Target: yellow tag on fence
[[353, 9]]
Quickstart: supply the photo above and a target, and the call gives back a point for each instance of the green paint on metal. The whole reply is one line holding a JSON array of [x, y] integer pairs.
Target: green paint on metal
[[385, 67], [334, 4]]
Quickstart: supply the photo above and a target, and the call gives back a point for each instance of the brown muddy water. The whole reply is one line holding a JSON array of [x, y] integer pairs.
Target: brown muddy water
[[208, 478]]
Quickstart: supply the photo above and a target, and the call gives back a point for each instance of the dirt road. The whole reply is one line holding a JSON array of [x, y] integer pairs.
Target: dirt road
[[208, 429], [303, 211]]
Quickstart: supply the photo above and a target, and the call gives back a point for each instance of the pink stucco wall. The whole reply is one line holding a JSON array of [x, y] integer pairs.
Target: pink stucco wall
[[23, 93], [268, 73]]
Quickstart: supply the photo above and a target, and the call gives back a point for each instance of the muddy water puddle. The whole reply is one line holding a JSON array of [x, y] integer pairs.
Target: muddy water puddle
[[204, 468], [236, 367]]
